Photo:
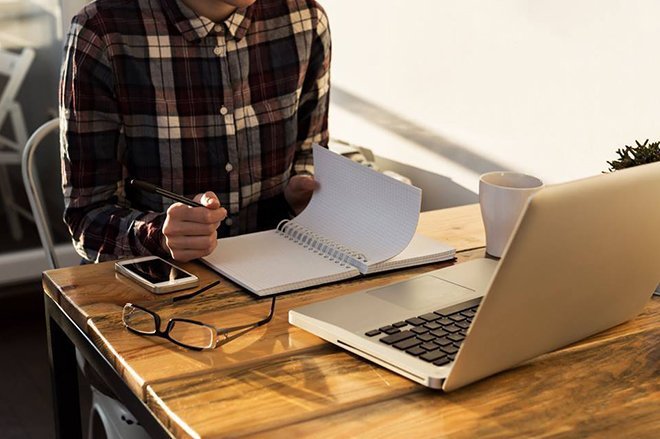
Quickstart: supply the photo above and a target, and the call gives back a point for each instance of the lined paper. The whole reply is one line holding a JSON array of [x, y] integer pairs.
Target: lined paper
[[360, 208], [269, 263]]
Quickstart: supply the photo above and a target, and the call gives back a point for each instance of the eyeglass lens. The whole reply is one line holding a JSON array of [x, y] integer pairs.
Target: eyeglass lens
[[139, 320], [192, 334]]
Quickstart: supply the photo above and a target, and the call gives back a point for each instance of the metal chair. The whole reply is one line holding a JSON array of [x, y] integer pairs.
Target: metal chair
[[33, 189], [14, 67], [116, 420]]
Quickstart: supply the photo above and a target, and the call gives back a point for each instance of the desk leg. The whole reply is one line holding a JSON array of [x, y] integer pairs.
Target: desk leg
[[63, 336], [64, 377]]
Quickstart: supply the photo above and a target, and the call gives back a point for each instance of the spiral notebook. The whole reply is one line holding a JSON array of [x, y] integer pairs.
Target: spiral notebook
[[358, 221]]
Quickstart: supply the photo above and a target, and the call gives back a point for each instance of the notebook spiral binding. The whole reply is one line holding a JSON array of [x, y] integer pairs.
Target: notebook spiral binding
[[329, 249]]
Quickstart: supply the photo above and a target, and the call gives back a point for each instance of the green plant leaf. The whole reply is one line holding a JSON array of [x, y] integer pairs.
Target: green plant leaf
[[630, 156]]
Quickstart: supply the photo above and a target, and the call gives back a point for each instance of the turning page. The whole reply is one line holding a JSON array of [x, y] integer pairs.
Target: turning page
[[360, 209]]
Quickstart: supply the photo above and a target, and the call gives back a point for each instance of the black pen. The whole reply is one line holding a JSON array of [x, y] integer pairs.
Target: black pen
[[148, 187]]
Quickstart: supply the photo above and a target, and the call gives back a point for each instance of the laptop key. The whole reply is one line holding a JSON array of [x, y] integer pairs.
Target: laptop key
[[394, 338], [443, 341], [407, 344], [415, 321], [449, 349], [416, 351], [457, 317], [463, 325], [445, 321], [399, 324], [426, 337], [429, 346], [456, 337], [419, 330], [452, 328], [372, 333], [429, 317], [432, 355], [433, 325], [392, 331], [439, 333], [441, 361]]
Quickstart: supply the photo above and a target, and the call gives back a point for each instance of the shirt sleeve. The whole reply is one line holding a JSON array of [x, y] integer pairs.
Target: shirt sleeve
[[99, 217], [315, 98]]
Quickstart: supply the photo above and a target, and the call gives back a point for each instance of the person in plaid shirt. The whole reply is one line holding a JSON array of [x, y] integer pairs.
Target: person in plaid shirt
[[218, 100]]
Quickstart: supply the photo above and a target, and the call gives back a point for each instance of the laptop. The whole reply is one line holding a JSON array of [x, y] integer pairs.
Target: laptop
[[585, 256]]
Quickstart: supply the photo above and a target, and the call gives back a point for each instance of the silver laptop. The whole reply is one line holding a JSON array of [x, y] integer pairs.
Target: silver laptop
[[585, 256]]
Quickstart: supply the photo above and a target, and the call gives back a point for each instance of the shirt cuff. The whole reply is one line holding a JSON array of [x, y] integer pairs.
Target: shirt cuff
[[153, 239]]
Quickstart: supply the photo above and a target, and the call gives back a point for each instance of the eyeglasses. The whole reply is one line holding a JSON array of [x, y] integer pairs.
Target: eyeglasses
[[190, 334]]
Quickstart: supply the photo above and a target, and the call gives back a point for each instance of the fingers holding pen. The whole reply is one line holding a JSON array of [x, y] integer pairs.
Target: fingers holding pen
[[190, 232], [208, 199], [212, 213]]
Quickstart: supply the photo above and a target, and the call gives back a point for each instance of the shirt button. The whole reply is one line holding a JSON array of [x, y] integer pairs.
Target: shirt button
[[229, 167], [218, 50], [229, 222], [223, 110], [217, 28]]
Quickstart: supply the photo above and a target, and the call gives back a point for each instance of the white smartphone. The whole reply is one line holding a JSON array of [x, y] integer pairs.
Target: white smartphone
[[156, 274]]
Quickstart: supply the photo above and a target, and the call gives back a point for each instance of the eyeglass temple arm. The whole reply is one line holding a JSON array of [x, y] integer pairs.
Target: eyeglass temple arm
[[225, 331], [229, 338], [195, 293]]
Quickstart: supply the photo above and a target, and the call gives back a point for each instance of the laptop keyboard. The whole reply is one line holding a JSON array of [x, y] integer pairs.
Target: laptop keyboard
[[434, 337]]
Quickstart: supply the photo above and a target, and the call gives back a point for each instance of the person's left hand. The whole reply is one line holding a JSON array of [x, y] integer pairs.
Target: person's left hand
[[298, 192]]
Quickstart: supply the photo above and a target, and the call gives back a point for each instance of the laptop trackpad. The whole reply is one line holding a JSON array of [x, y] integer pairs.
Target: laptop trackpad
[[422, 293]]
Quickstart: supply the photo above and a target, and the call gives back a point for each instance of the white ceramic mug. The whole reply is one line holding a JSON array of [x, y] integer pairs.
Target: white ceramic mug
[[502, 197]]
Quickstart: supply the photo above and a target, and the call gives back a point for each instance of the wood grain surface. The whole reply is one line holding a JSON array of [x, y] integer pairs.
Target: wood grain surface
[[280, 381]]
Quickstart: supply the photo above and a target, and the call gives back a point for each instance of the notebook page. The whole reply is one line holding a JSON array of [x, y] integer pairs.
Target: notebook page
[[421, 250], [268, 263], [361, 208]]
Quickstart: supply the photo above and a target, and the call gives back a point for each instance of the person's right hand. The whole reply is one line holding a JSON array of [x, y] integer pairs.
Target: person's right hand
[[190, 232]]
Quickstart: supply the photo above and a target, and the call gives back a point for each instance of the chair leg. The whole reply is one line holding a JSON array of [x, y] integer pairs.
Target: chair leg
[[97, 422], [117, 422], [9, 204]]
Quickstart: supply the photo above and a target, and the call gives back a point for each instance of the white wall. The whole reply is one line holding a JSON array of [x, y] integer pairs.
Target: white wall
[[547, 87], [69, 9]]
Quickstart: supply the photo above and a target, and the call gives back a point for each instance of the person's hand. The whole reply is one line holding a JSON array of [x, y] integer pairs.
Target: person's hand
[[298, 192], [190, 232]]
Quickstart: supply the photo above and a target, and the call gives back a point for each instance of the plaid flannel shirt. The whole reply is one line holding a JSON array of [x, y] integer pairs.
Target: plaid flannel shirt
[[152, 91]]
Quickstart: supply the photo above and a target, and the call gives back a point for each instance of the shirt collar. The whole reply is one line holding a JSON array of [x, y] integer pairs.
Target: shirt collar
[[239, 22], [194, 27]]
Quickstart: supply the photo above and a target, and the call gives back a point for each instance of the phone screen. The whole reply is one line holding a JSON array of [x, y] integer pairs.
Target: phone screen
[[156, 271]]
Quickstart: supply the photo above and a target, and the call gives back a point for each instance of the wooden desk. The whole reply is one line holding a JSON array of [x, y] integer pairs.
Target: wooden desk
[[281, 381]]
